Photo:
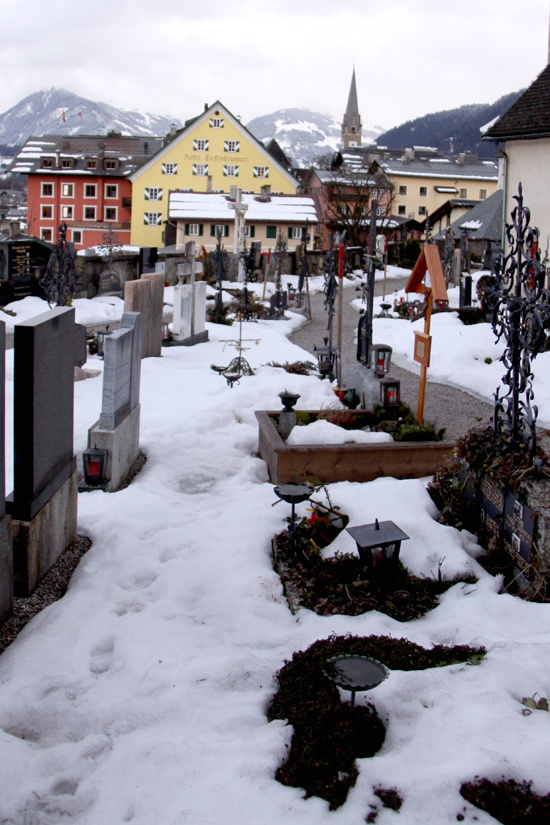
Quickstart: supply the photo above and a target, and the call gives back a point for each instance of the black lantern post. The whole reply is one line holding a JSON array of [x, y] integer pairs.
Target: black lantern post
[[390, 392], [378, 545], [380, 359], [293, 493], [94, 462]]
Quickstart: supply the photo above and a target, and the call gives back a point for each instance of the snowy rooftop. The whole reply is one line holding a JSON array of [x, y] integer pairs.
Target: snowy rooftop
[[218, 207]]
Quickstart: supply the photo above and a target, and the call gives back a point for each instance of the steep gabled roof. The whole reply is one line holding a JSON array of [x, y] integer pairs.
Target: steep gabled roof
[[529, 117], [482, 223], [190, 126]]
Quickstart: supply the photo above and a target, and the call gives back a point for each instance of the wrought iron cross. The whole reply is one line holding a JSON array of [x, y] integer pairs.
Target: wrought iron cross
[[521, 314], [219, 256], [60, 277]]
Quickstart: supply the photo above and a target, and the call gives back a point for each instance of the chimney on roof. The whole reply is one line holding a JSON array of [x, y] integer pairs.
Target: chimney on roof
[[265, 192], [209, 183], [15, 229], [408, 155], [205, 106], [173, 129]]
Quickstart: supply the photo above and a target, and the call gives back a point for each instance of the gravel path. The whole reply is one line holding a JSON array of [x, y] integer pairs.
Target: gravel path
[[454, 409]]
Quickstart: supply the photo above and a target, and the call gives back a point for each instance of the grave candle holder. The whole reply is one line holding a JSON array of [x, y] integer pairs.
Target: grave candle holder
[[380, 359], [101, 341], [94, 462], [378, 546], [355, 673], [390, 392]]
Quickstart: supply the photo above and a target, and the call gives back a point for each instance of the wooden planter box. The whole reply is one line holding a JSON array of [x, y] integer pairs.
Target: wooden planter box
[[347, 462]]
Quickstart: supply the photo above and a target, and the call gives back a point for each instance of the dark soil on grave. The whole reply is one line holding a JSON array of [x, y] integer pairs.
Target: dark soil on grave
[[342, 585], [324, 744], [399, 421], [508, 801]]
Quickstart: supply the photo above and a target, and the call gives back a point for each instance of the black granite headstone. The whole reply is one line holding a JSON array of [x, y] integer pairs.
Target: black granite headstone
[[109, 283], [46, 348], [518, 530]]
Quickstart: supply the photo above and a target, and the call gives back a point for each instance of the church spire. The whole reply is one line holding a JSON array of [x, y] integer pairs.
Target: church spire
[[351, 125]]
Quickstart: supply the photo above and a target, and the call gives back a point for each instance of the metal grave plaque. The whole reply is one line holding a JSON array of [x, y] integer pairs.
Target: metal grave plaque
[[518, 530], [492, 507]]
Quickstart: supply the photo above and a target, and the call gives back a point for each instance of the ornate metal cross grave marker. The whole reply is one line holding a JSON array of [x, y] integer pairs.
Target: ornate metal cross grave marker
[[328, 354], [60, 278], [521, 314]]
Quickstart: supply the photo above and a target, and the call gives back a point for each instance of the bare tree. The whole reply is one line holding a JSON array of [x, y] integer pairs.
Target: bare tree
[[347, 200]]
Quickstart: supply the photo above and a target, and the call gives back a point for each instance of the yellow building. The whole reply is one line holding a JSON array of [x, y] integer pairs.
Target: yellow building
[[211, 153]]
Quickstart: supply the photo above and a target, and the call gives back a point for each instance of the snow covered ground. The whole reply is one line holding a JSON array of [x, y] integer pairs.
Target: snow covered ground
[[140, 697]]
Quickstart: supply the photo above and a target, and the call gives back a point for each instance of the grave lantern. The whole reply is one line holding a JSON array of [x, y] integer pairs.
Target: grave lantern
[[390, 392], [380, 359], [95, 465], [324, 358], [378, 545], [291, 292], [101, 341]]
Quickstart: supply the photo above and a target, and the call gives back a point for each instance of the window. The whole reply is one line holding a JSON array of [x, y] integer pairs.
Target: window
[[47, 163], [271, 231], [422, 210], [67, 190], [90, 190], [231, 146], [403, 190], [216, 122], [201, 145], [193, 228], [260, 171], [46, 212], [463, 193], [153, 193], [110, 163], [295, 232], [152, 218], [169, 168], [47, 190], [111, 190], [67, 212], [423, 191], [89, 213], [223, 228], [401, 210], [200, 169], [46, 235], [91, 164], [249, 231], [482, 194], [77, 236], [66, 163], [110, 213], [231, 171]]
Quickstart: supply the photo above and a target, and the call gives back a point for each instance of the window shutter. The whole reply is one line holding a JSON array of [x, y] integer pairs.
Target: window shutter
[[271, 232], [226, 231], [159, 219], [194, 169], [146, 192], [200, 228], [212, 230], [254, 171], [159, 195], [290, 232], [252, 231], [146, 219], [163, 168], [187, 229]]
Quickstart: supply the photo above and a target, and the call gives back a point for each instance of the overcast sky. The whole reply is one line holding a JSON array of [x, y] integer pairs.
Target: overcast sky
[[170, 57]]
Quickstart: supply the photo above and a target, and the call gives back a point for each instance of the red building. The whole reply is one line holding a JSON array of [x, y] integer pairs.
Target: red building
[[82, 181]]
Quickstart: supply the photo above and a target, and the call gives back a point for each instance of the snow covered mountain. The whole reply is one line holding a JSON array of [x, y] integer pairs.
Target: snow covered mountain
[[302, 135], [57, 111]]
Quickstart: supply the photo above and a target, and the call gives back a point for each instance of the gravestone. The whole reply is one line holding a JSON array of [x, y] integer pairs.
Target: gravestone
[[117, 430], [44, 498], [110, 284], [360, 377], [189, 320], [146, 296], [6, 551]]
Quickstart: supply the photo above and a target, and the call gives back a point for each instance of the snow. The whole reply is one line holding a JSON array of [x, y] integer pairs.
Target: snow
[[471, 225], [324, 432], [89, 311], [141, 695]]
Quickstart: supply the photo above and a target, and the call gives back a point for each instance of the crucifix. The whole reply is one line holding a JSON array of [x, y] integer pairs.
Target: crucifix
[[239, 233]]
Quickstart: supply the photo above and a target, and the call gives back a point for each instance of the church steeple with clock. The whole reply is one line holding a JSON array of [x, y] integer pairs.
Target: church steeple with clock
[[351, 125]]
